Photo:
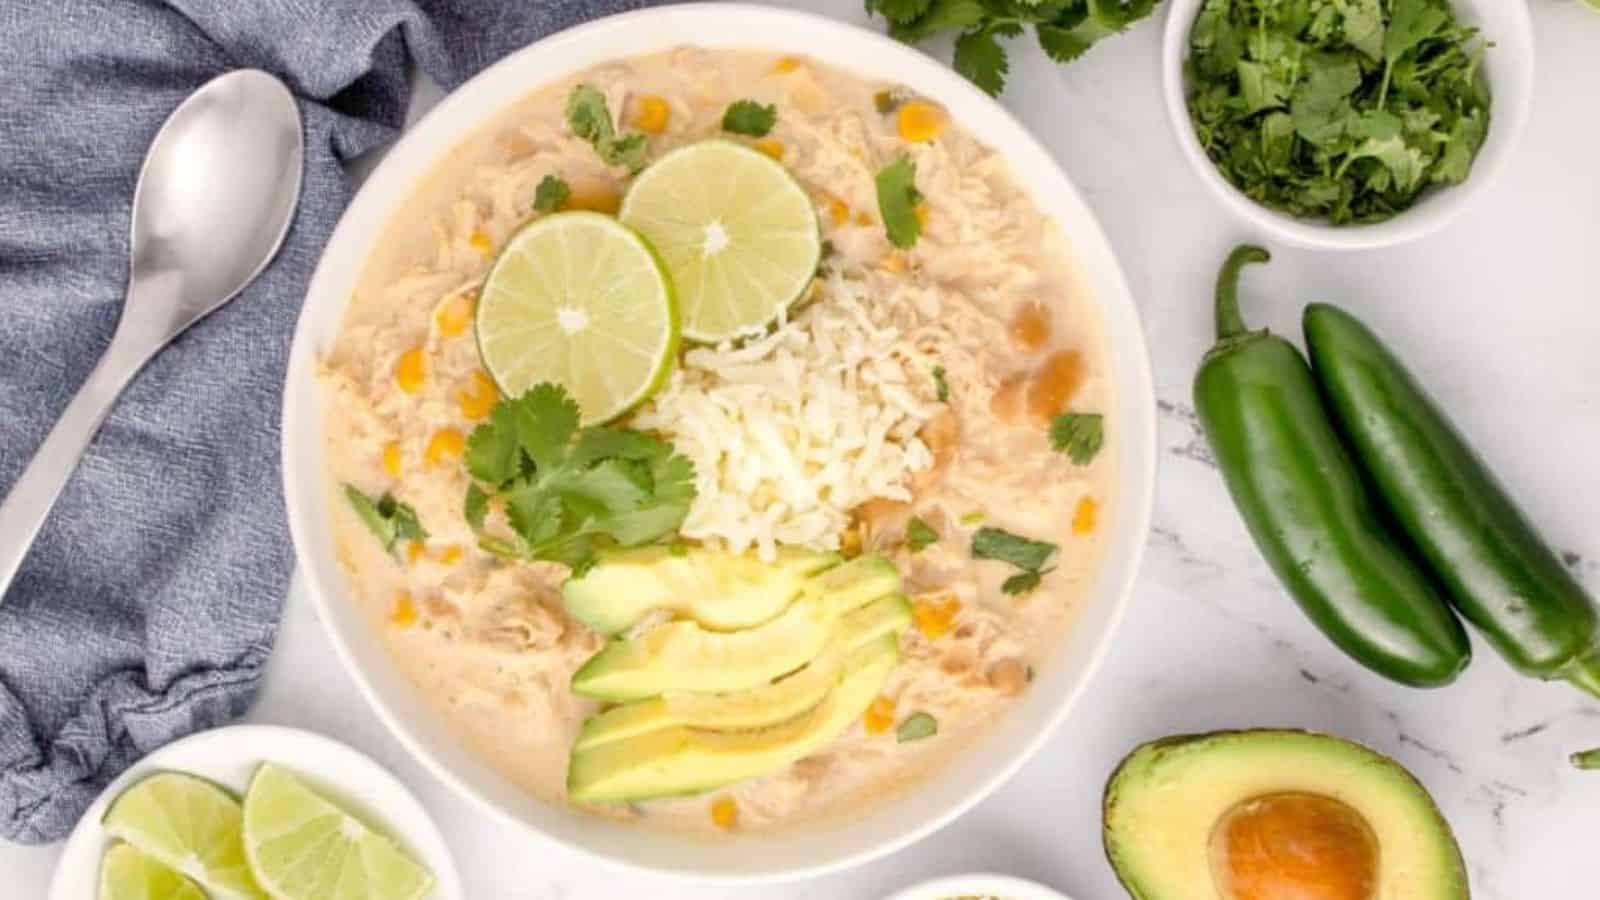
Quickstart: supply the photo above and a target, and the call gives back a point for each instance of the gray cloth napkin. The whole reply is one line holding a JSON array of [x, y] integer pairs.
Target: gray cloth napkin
[[149, 604]]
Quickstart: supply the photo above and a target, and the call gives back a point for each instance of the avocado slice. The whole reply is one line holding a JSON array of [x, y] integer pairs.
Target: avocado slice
[[760, 706], [684, 656], [720, 590], [681, 760], [1164, 803]]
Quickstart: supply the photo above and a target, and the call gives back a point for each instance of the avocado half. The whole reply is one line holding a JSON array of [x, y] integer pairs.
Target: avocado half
[[1165, 799]]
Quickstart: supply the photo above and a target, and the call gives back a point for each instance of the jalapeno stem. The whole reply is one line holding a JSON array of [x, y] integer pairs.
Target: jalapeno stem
[[1229, 322], [1584, 672]]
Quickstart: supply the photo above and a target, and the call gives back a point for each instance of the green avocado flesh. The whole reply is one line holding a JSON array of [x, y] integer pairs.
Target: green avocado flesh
[[1164, 800], [722, 591], [683, 655], [682, 760], [760, 706]]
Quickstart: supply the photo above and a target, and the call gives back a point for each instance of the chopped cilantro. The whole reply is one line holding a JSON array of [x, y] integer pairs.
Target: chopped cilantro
[[389, 520], [589, 119], [1587, 759], [897, 202], [550, 194], [996, 543], [940, 386], [917, 726], [749, 118], [1066, 28], [1022, 583], [1078, 435], [569, 492], [887, 101], [1344, 112], [920, 535]]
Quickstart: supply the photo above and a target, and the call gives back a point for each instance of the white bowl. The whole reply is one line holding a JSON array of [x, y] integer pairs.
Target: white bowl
[[229, 756], [1509, 66], [886, 826], [1001, 887]]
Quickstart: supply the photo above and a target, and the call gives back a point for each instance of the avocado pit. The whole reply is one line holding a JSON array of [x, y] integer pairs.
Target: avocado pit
[[1294, 846]]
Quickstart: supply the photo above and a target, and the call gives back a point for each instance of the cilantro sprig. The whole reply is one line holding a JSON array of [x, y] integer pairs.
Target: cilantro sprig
[[750, 118], [389, 520], [1066, 29], [551, 193], [590, 119], [1028, 555], [920, 535], [1342, 111], [570, 492]]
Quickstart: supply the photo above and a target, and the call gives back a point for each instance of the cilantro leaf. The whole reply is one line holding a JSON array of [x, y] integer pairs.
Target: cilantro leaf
[[920, 535], [941, 387], [1021, 583], [1413, 22], [982, 60], [916, 727], [942, 15], [569, 492], [589, 118], [389, 520], [897, 202], [899, 10], [550, 194], [1078, 435], [1025, 554], [749, 118]]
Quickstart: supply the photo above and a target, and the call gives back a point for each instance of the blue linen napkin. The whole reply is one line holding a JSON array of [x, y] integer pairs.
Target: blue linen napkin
[[148, 606]]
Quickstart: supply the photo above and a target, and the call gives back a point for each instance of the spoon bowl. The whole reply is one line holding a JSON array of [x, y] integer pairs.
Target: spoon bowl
[[214, 200]]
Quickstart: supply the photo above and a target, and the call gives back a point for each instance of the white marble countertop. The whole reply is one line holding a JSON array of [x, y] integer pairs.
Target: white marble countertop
[[1499, 315]]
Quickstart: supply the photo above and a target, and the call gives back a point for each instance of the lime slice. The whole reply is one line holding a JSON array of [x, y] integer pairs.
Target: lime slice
[[737, 232], [302, 847], [127, 874], [188, 824], [580, 300]]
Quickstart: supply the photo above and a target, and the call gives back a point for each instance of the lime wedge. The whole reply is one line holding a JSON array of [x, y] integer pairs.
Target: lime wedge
[[188, 824], [127, 874], [580, 300], [737, 232], [302, 847]]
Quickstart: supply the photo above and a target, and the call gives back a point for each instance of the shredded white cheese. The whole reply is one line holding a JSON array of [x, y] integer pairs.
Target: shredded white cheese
[[790, 432]]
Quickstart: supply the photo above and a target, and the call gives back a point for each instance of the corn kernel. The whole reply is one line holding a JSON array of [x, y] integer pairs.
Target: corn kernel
[[838, 211], [652, 114], [1083, 518], [919, 121], [893, 263], [392, 459], [450, 554], [724, 812], [771, 147], [879, 717], [455, 315], [414, 551], [786, 64], [594, 196], [480, 398], [1030, 327], [412, 370], [481, 242], [446, 444], [921, 212], [934, 617], [404, 612]]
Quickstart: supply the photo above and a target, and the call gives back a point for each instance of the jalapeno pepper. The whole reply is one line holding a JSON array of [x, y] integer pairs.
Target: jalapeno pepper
[[1306, 505], [1494, 567]]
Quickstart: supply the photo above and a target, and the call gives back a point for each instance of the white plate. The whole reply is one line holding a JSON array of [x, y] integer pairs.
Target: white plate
[[229, 756], [1001, 887], [884, 826]]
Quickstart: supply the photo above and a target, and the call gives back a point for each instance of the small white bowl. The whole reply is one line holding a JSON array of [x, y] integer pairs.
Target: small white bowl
[[1509, 66], [884, 826], [229, 756], [1002, 887]]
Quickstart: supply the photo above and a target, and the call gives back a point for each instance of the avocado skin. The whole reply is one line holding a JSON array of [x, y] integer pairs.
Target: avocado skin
[[1452, 885]]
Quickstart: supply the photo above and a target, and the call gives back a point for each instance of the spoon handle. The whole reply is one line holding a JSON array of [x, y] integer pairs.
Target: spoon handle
[[24, 510]]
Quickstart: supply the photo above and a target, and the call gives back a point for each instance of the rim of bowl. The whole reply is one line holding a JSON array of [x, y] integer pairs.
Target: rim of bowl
[[1008, 887], [1135, 393], [1513, 66]]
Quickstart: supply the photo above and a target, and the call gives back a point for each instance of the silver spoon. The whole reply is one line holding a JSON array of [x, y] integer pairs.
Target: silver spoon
[[214, 199]]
